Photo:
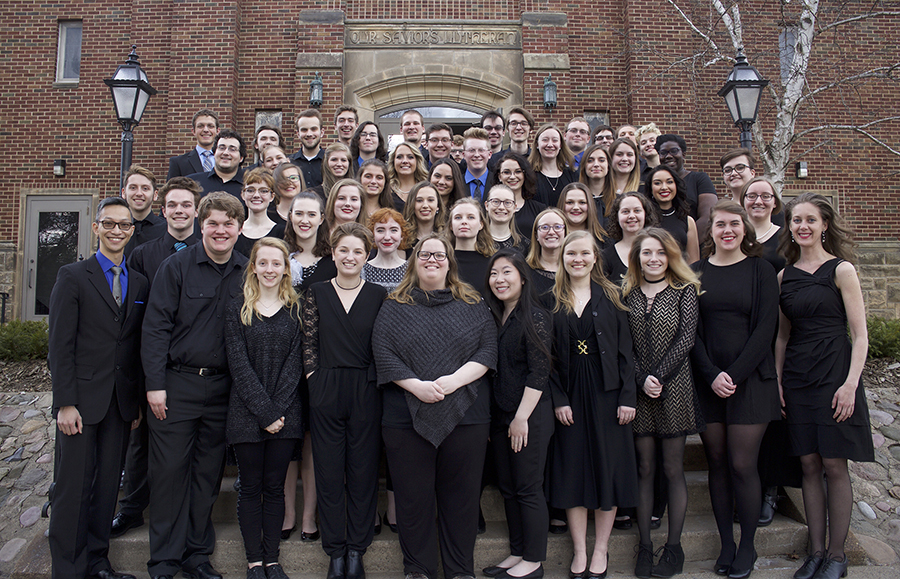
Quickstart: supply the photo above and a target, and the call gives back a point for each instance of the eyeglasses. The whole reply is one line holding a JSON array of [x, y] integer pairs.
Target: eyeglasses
[[507, 172], [229, 148], [368, 135], [518, 123], [435, 141], [755, 196], [671, 151], [479, 151], [728, 169], [599, 138], [437, 255], [292, 177], [498, 128], [261, 191], [557, 228], [109, 225], [505, 202], [578, 131]]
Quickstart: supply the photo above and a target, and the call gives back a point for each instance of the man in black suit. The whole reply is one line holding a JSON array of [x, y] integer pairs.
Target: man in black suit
[[204, 127], [139, 192], [96, 311]]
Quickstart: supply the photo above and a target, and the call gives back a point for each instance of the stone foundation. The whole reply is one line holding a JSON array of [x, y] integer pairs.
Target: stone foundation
[[879, 275]]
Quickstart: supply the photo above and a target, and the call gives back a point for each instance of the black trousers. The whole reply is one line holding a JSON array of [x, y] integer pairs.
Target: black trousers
[[520, 478], [446, 479], [187, 460], [345, 425], [136, 489], [262, 467], [88, 466]]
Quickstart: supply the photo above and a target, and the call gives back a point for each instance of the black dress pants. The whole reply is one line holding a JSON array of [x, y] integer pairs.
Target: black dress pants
[[88, 466], [446, 479], [345, 425], [136, 489], [520, 478], [187, 460]]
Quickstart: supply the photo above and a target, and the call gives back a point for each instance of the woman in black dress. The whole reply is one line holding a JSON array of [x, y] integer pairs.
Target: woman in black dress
[[594, 171], [336, 165], [820, 368], [592, 461], [552, 162], [472, 242], [434, 340], [514, 171], [263, 337], [406, 167], [500, 205], [425, 213], [666, 190], [521, 412], [344, 403], [698, 187], [734, 371], [547, 237], [257, 194], [661, 293], [758, 197], [632, 212], [581, 213]]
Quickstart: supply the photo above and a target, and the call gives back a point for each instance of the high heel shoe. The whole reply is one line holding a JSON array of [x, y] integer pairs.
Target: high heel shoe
[[644, 565], [723, 563], [738, 573], [391, 526], [286, 533], [377, 529]]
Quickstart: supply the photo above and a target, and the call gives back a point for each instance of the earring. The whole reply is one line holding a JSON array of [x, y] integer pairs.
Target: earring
[[823, 238], [792, 238]]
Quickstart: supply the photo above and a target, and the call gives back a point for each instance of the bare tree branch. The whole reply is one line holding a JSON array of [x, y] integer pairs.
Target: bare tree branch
[[856, 18], [857, 128], [705, 37], [880, 72]]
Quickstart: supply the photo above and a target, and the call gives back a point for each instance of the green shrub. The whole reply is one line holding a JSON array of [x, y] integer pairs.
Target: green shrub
[[884, 337], [23, 341]]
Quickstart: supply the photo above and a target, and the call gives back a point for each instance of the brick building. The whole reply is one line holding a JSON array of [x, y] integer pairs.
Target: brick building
[[621, 61]]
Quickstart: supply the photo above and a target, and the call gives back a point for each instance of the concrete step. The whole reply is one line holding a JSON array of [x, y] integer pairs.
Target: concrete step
[[700, 541]]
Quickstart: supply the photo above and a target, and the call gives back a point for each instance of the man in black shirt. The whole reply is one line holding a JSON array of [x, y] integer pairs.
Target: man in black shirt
[[309, 157], [180, 197], [519, 124], [188, 386], [227, 175], [139, 192]]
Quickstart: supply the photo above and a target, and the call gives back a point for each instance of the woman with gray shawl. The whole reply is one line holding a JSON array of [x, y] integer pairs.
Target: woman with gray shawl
[[434, 340]]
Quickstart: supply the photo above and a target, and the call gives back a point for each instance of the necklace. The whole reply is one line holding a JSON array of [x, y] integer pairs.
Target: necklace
[[269, 306], [669, 214], [553, 185], [768, 231], [652, 281], [348, 289]]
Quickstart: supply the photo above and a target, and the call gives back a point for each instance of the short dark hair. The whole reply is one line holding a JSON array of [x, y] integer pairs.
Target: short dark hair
[[522, 111], [380, 151], [268, 128], [414, 112], [438, 127], [600, 128], [229, 134], [220, 201], [346, 109], [492, 115], [734, 154], [204, 113], [662, 139], [110, 201], [185, 183]]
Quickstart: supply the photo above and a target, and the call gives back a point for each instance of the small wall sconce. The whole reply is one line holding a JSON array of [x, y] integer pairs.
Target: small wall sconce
[[315, 91], [59, 168], [549, 92], [802, 170]]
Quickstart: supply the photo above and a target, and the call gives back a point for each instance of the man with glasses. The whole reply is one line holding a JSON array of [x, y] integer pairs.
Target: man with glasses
[[578, 133], [227, 175], [439, 140], [603, 136], [519, 125], [96, 312], [492, 122], [477, 152], [139, 191]]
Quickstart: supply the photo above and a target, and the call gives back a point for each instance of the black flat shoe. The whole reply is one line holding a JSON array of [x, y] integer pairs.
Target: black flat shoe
[[739, 573], [810, 566], [622, 524], [110, 574], [309, 537], [377, 524], [558, 529], [392, 527], [723, 564], [767, 513], [494, 571], [573, 574], [286, 533], [832, 569], [655, 523], [601, 575]]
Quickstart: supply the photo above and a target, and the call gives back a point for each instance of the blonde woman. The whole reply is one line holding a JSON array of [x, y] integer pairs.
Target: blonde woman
[[547, 237], [472, 242], [406, 167], [262, 338], [552, 162]]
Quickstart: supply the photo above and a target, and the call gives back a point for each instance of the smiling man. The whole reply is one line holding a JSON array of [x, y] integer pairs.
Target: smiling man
[[440, 139], [309, 157], [578, 134], [139, 192], [477, 151], [204, 128], [346, 119], [188, 385], [96, 310], [227, 175]]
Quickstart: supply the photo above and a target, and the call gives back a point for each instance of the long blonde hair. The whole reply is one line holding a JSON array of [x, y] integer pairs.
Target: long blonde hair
[[679, 275], [534, 250], [484, 243], [286, 293], [562, 287], [460, 289]]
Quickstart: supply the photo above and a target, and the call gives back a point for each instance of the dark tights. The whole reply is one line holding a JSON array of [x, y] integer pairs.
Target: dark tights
[[732, 451], [833, 505], [673, 466]]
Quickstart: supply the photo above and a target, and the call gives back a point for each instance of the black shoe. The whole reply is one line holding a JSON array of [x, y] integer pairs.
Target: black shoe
[[810, 566], [723, 563], [767, 513], [655, 523], [482, 525], [622, 523], [161, 577], [573, 574], [377, 529], [275, 572], [309, 537], [832, 569], [286, 533], [392, 527], [122, 523], [671, 561], [493, 571], [337, 569], [536, 574], [602, 575], [202, 571], [110, 574], [558, 529], [644, 564], [256, 572], [742, 572], [355, 568]]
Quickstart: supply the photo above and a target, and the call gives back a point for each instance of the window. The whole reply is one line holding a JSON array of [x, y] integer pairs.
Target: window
[[68, 57], [786, 41]]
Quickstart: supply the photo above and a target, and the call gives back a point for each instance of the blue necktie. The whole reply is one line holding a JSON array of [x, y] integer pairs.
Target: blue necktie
[[207, 160]]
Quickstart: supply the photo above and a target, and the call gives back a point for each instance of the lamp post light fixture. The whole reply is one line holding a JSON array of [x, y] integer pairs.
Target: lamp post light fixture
[[130, 91], [59, 167], [549, 92], [742, 92], [315, 91]]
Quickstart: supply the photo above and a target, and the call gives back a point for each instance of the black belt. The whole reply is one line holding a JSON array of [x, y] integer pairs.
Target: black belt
[[199, 371]]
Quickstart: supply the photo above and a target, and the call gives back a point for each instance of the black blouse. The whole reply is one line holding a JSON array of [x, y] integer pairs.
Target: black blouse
[[520, 363]]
